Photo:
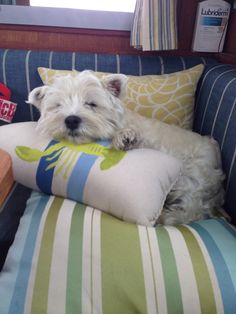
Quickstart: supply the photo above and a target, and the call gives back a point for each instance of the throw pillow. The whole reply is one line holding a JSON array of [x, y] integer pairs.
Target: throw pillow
[[131, 185], [168, 97]]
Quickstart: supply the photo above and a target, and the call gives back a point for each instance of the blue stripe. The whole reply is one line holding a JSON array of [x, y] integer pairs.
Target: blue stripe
[[19, 295], [218, 259], [12, 268], [44, 178], [78, 178]]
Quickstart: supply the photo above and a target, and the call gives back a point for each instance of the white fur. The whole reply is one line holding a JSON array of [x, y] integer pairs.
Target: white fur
[[98, 104]]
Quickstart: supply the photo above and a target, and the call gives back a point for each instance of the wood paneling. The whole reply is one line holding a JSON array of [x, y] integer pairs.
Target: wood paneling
[[6, 175], [22, 2], [230, 42], [102, 41], [186, 20]]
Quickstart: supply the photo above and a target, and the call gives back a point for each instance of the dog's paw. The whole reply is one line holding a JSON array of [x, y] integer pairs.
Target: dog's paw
[[126, 139]]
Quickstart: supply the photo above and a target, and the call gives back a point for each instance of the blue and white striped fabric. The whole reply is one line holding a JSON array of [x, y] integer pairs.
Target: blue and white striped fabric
[[154, 25], [69, 258], [215, 115]]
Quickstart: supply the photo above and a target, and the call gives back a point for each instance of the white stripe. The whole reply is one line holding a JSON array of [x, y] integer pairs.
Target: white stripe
[[158, 272], [8, 196], [86, 262], [203, 60], [211, 271], [183, 63], [227, 125], [162, 65], [50, 59], [96, 263], [204, 79], [73, 61], [34, 266], [219, 106], [230, 171], [27, 71], [28, 82], [58, 274], [187, 280], [95, 62], [140, 66], [209, 96], [4, 67], [118, 63], [147, 271]]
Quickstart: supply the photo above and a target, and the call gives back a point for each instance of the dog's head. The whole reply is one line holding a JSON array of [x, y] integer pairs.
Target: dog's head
[[80, 108]]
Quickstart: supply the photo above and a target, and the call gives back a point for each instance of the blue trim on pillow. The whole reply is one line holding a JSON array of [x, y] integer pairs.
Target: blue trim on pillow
[[44, 177], [76, 184]]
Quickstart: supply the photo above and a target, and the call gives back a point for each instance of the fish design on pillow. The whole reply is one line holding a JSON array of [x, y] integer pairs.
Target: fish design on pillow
[[68, 153]]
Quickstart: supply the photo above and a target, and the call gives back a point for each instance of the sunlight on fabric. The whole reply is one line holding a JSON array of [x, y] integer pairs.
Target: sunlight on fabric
[[103, 5]]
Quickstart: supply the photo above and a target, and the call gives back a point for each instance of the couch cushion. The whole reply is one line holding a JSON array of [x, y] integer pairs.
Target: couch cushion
[[215, 115], [18, 69], [69, 258]]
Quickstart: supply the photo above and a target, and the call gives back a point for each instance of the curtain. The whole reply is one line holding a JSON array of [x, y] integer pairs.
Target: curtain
[[154, 25], [8, 2]]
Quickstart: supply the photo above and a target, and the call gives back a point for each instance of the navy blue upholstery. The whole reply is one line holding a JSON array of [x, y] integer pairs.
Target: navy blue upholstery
[[216, 95], [18, 69], [215, 115]]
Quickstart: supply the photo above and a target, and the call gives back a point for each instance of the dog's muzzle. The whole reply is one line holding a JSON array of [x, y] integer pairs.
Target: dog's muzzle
[[72, 122]]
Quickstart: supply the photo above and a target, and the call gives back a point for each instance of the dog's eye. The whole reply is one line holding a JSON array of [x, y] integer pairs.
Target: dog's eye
[[58, 105], [91, 104]]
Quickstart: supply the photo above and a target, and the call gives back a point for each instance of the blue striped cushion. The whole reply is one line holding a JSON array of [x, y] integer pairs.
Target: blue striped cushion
[[69, 258], [215, 115], [18, 69]]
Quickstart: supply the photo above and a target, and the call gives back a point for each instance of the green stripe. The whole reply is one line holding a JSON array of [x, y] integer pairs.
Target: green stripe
[[205, 290], [41, 285], [123, 289], [170, 272], [74, 274]]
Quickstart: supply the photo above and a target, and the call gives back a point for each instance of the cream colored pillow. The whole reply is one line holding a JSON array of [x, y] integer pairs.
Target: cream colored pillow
[[168, 97], [131, 185]]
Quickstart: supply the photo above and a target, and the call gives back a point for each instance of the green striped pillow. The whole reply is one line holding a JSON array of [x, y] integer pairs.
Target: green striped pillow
[[69, 258]]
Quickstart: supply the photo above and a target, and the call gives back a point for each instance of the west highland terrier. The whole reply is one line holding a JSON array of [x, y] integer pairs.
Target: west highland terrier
[[83, 108]]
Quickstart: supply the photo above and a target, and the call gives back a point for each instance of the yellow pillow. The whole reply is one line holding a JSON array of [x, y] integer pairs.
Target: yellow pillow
[[167, 97]]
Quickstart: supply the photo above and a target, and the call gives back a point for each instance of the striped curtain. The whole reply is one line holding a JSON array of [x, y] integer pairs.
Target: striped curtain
[[154, 26]]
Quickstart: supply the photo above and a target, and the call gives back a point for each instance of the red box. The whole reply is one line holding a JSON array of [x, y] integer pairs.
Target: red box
[[7, 110]]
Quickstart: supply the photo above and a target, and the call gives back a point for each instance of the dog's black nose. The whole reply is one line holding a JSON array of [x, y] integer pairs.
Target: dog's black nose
[[72, 122]]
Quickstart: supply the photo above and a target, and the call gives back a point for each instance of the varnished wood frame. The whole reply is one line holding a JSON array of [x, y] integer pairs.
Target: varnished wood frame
[[88, 40]]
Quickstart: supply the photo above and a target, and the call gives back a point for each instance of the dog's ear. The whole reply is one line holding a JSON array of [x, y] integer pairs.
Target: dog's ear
[[115, 84], [36, 96]]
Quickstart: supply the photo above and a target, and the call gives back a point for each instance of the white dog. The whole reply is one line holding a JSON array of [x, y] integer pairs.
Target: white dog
[[83, 108]]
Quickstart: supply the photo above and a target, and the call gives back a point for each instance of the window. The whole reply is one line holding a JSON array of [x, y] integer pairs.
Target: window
[[102, 5], [90, 14]]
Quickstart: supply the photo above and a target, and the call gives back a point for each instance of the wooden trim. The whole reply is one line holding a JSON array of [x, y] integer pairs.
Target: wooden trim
[[226, 58], [6, 175], [186, 12], [22, 2], [74, 39], [107, 41], [230, 41]]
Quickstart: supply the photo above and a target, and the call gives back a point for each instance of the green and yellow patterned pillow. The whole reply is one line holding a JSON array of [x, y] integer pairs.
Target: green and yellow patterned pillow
[[169, 97]]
